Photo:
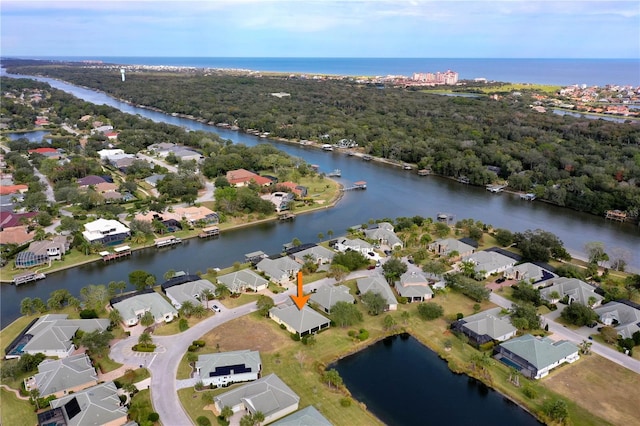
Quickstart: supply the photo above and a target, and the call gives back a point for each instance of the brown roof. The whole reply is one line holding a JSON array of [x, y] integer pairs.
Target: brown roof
[[17, 235]]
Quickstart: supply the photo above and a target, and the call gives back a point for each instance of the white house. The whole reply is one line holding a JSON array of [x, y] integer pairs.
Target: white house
[[134, 307], [355, 244], [242, 280], [450, 246], [572, 288], [529, 273], [105, 231], [489, 262], [378, 284], [225, 368], [625, 318], [328, 295], [190, 291], [299, 321], [486, 326]]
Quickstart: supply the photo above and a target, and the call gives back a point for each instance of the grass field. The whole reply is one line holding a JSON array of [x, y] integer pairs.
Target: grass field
[[16, 411]]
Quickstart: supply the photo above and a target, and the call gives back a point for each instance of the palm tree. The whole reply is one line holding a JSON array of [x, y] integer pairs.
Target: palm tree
[[222, 291], [207, 295], [147, 319], [169, 274], [186, 309], [226, 412], [258, 417], [115, 317], [145, 339], [199, 311], [139, 238], [330, 233]]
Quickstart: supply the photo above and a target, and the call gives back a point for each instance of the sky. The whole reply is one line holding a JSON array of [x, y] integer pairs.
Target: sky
[[322, 28]]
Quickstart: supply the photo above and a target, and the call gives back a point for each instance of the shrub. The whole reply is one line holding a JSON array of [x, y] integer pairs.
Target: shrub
[[345, 402], [88, 314], [198, 343], [459, 316], [295, 337], [282, 326], [363, 335], [203, 421], [143, 348], [183, 325], [430, 311], [192, 348], [117, 383], [352, 333], [530, 392], [153, 417], [486, 346]]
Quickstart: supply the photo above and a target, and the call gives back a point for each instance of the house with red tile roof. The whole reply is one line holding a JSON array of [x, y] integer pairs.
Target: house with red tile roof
[[10, 219], [17, 235], [299, 190], [13, 189], [242, 177], [41, 121]]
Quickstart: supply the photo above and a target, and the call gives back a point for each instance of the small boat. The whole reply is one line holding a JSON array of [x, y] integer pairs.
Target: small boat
[[463, 179], [335, 173], [423, 172], [367, 157], [406, 167], [327, 147]]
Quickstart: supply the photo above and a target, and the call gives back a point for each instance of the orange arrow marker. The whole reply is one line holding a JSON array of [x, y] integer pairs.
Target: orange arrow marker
[[300, 299]]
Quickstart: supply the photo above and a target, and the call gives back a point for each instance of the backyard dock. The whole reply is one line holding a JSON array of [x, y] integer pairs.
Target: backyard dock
[[356, 185], [496, 189], [211, 231], [528, 197], [616, 215], [28, 277], [167, 241], [118, 252], [286, 216]]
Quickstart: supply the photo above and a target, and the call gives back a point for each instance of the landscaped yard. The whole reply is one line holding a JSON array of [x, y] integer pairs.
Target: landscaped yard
[[172, 327], [16, 411]]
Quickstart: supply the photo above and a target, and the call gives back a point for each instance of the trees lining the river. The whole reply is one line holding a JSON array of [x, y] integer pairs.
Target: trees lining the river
[[588, 165]]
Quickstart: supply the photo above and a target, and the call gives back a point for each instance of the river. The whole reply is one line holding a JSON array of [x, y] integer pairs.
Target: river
[[391, 192]]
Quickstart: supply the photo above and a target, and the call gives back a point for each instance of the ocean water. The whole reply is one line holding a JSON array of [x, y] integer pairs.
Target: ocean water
[[598, 72]]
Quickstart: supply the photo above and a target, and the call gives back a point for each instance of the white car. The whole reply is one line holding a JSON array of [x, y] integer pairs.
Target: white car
[[215, 308]]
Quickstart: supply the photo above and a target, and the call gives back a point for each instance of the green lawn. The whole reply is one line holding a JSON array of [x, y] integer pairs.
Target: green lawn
[[134, 376], [173, 328], [16, 411], [234, 302], [141, 407]]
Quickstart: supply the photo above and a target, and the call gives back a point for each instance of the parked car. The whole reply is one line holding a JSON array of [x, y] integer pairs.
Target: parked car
[[501, 280], [371, 267], [215, 308]]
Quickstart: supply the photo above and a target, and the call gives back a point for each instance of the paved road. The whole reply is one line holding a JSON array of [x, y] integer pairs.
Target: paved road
[[578, 336], [153, 160]]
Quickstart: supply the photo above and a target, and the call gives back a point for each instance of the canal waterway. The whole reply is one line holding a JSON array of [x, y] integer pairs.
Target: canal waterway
[[35, 136], [404, 383], [391, 192]]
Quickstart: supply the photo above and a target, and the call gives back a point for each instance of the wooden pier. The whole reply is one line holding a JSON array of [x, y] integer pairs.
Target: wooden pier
[[211, 231], [424, 172], [616, 215], [367, 157], [496, 188], [167, 241], [118, 252], [28, 277], [286, 216], [528, 197], [356, 185]]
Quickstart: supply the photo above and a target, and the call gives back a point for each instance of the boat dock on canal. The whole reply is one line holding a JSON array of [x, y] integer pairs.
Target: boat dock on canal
[[28, 277], [167, 241], [118, 252], [356, 185], [211, 231]]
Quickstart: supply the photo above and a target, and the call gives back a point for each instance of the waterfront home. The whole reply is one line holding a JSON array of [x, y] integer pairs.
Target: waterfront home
[[355, 244], [317, 254], [452, 247], [308, 416], [384, 234], [162, 149], [17, 235], [528, 272], [328, 295], [297, 190], [489, 262], [378, 284], [254, 257], [97, 405], [486, 326], [242, 280], [269, 395], [299, 321], [42, 252], [133, 307], [281, 200], [414, 286], [59, 377], [197, 215], [190, 291], [90, 180], [242, 177], [105, 231], [572, 289], [225, 368], [184, 154], [52, 335], [623, 315], [535, 357], [279, 270]]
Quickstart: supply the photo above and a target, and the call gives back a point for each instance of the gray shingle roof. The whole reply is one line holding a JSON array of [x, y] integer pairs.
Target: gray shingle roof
[[377, 284], [489, 261], [577, 290], [489, 323], [627, 316], [308, 416], [267, 395], [244, 278], [538, 352], [61, 374], [153, 302], [301, 320], [209, 362], [277, 268], [187, 291], [98, 405], [413, 284], [328, 295], [448, 245], [54, 332], [316, 253]]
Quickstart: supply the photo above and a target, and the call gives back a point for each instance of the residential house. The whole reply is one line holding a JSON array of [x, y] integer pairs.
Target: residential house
[[102, 128], [52, 153], [225, 368], [355, 244], [190, 291], [528, 272], [162, 149], [279, 270], [299, 190], [384, 235], [535, 357], [571, 288], [9, 202], [42, 252], [58, 377], [242, 177], [11, 220], [108, 154], [154, 179], [328, 295], [97, 405], [299, 321], [318, 254], [196, 215], [123, 162], [184, 154], [308, 416], [171, 220], [105, 231], [378, 284], [486, 326], [281, 200], [242, 280], [414, 286], [452, 247], [489, 262], [269, 395], [17, 235], [91, 180], [52, 334], [13, 189], [254, 257], [134, 307], [623, 315]]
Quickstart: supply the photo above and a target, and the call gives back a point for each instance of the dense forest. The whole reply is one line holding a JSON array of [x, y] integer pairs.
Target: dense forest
[[587, 165]]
